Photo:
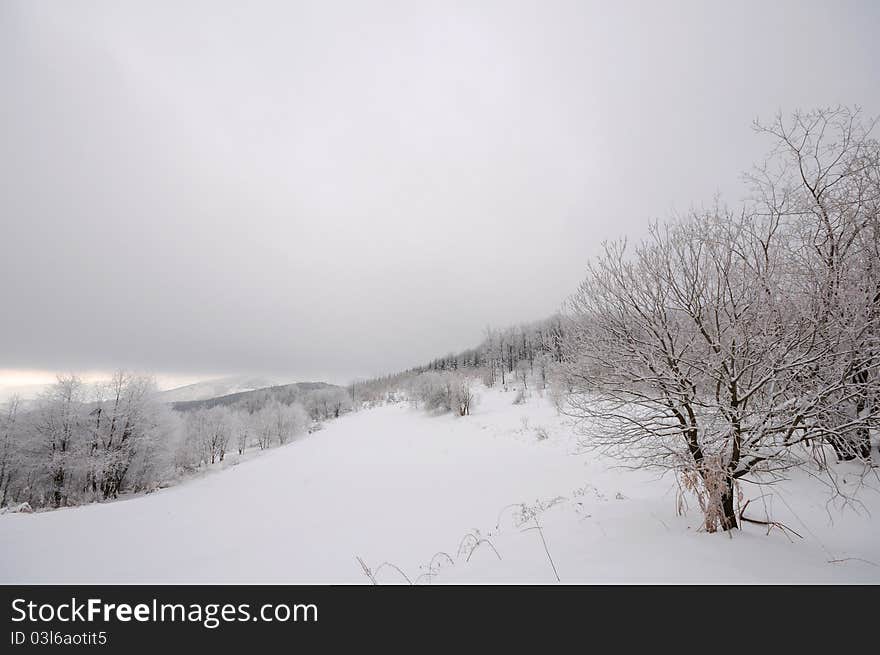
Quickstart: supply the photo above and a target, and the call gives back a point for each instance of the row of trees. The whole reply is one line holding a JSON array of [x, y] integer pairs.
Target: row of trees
[[731, 343], [209, 434], [507, 355], [321, 401], [511, 356], [81, 443]]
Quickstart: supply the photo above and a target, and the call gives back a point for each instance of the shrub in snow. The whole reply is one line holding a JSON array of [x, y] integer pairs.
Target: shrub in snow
[[20, 508], [439, 393]]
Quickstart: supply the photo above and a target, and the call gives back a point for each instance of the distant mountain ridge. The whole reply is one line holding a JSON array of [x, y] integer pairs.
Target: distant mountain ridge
[[218, 387], [285, 393], [26, 393]]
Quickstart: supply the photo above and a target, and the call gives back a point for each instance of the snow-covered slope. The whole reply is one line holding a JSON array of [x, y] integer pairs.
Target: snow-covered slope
[[214, 388], [394, 485]]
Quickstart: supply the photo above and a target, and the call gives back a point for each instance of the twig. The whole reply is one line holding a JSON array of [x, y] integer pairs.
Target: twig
[[372, 574], [504, 509], [857, 559], [445, 554], [546, 550], [396, 568], [770, 524], [426, 574], [367, 571], [477, 541], [477, 545]]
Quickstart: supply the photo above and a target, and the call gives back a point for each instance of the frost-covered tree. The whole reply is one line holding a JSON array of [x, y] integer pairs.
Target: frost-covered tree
[[78, 443], [209, 432], [287, 421], [463, 394], [822, 187], [10, 448], [262, 424], [727, 340], [328, 403], [440, 392], [124, 426], [523, 370], [57, 425], [241, 428]]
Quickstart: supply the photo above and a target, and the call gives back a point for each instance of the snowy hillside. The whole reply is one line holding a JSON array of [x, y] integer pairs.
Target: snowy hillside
[[214, 388], [393, 484]]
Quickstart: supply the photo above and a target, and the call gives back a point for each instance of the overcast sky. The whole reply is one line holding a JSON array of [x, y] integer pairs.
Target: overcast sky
[[331, 189]]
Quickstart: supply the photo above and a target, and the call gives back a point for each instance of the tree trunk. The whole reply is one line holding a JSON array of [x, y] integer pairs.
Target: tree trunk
[[728, 511], [863, 433], [863, 443], [841, 449]]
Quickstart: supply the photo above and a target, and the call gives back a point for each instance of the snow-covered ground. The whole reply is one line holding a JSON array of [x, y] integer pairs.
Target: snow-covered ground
[[395, 485]]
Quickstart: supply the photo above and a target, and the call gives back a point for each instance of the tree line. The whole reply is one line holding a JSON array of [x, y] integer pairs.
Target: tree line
[[79, 443], [515, 356]]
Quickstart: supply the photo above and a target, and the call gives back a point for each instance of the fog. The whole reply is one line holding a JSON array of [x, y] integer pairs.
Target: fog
[[339, 189]]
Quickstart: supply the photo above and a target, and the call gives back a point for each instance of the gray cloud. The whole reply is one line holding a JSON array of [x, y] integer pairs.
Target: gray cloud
[[329, 189]]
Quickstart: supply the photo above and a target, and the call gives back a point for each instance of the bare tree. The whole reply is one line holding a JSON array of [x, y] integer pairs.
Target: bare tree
[[9, 464], [822, 186], [261, 425], [700, 353], [122, 422], [241, 427], [463, 394], [523, 369], [58, 426], [209, 432]]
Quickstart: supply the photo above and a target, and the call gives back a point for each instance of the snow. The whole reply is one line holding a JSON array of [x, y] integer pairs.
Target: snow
[[393, 484]]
